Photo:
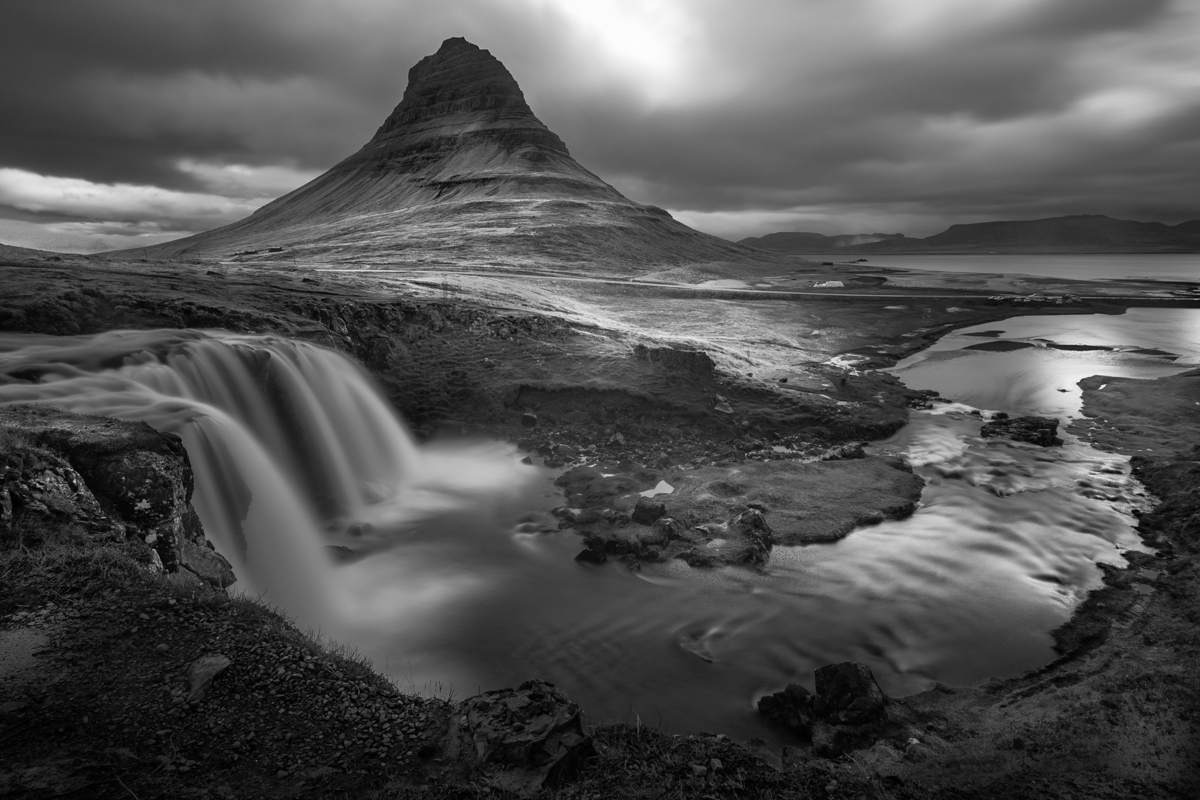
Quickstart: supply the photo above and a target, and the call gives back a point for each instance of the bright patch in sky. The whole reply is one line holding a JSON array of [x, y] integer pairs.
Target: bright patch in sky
[[654, 46]]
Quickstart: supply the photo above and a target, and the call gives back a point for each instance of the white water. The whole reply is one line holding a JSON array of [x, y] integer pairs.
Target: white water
[[460, 594], [292, 446]]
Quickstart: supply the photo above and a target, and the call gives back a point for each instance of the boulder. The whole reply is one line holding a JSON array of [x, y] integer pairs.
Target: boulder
[[792, 708], [847, 694], [207, 564], [520, 740], [1033, 430], [112, 478], [201, 674], [648, 511]]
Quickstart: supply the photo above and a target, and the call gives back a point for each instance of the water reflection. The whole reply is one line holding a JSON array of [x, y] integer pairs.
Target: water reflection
[[1043, 380]]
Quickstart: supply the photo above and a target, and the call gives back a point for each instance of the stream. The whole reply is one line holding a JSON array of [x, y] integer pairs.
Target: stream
[[294, 450]]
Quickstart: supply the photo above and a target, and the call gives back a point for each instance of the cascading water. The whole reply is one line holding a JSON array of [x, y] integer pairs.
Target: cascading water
[[292, 446]]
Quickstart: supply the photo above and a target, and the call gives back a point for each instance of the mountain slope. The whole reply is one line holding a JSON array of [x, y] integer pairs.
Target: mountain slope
[[462, 172], [1082, 233]]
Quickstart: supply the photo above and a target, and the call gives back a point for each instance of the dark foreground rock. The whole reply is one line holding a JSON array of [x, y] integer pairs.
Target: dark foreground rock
[[1034, 430], [520, 740], [104, 478], [848, 712]]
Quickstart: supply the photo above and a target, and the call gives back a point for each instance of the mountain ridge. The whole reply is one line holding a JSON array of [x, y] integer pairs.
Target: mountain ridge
[[462, 172]]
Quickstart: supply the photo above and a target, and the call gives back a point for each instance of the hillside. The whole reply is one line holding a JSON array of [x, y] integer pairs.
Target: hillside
[[463, 173], [803, 242], [1081, 233]]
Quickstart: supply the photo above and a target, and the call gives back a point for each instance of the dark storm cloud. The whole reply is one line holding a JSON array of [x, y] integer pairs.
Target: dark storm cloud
[[741, 117]]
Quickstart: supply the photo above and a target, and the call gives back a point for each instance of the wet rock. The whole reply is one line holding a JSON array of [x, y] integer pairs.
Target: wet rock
[[590, 555], [648, 511], [1033, 430], [207, 564], [845, 452], [112, 477], [521, 740], [791, 708], [667, 529], [201, 674], [529, 420], [847, 694]]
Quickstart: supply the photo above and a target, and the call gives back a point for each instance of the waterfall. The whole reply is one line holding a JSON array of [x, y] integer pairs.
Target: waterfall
[[292, 446]]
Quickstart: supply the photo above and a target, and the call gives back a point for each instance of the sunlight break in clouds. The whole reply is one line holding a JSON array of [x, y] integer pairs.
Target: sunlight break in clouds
[[657, 48]]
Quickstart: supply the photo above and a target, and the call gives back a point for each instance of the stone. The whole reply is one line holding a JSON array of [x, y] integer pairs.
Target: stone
[[847, 694], [529, 420], [520, 740], [1033, 430], [206, 564], [648, 511], [201, 674], [112, 477], [591, 555], [792, 708]]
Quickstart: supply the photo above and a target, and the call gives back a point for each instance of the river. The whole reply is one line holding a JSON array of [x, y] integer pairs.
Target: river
[[466, 592]]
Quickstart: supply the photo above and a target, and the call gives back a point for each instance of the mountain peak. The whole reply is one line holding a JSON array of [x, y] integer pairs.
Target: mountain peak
[[462, 166], [464, 86]]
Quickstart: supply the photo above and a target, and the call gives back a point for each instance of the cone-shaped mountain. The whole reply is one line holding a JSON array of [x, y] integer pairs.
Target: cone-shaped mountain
[[462, 172]]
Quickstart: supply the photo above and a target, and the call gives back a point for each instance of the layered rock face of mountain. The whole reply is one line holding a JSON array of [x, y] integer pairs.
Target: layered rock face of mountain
[[462, 172], [1079, 233]]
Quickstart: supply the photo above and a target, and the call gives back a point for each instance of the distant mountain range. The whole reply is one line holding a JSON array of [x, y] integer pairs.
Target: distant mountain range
[[1080, 233], [803, 242]]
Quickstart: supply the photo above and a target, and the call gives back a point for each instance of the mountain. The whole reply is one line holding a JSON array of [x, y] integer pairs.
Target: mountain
[[1081, 233], [801, 242], [461, 172], [23, 255]]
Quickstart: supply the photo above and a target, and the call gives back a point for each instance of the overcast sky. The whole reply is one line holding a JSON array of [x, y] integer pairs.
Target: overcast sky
[[131, 121]]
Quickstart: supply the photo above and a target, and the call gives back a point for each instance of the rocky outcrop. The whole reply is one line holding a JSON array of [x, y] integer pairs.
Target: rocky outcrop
[[848, 712], [730, 514], [1033, 430], [520, 740], [695, 362], [101, 477]]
